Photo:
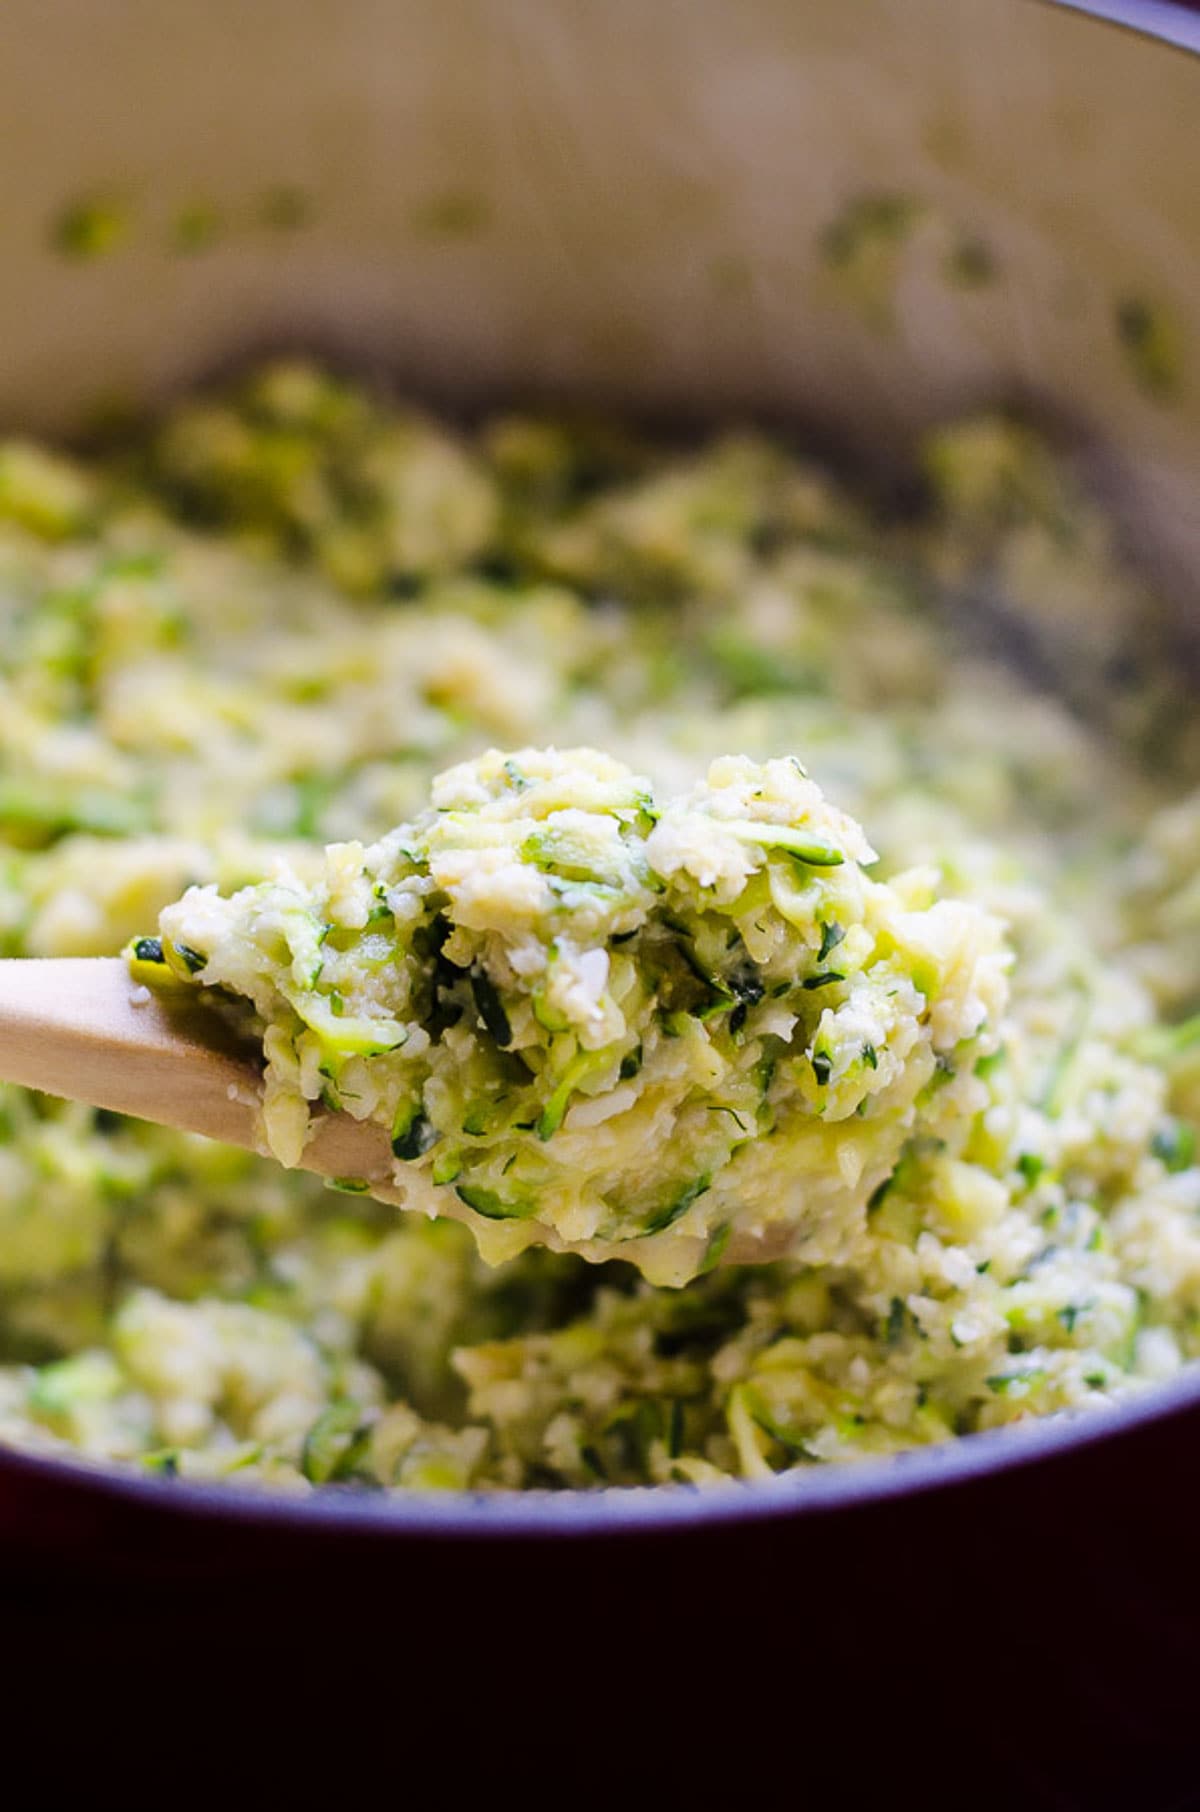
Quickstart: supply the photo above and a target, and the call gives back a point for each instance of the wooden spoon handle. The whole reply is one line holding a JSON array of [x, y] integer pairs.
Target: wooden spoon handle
[[81, 1028]]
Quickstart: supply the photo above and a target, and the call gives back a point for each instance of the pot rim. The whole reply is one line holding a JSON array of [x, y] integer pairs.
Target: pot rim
[[1170, 21], [617, 1510]]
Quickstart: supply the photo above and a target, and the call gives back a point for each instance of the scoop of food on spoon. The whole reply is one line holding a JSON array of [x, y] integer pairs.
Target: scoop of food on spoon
[[558, 1007]]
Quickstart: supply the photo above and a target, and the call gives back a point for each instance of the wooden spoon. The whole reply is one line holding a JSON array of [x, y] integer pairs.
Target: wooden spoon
[[81, 1028]]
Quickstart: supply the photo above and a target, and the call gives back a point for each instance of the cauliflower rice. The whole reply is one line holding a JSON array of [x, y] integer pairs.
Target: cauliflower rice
[[266, 625], [681, 1032]]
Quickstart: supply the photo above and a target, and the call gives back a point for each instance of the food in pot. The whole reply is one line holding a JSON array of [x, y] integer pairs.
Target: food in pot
[[264, 626], [669, 1030]]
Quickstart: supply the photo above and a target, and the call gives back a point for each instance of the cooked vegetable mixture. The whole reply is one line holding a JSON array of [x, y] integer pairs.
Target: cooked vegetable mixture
[[264, 626], [670, 1031]]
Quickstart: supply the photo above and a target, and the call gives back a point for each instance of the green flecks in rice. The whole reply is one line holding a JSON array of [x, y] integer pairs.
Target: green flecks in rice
[[196, 228], [267, 624], [539, 935], [286, 208], [1152, 346], [91, 228]]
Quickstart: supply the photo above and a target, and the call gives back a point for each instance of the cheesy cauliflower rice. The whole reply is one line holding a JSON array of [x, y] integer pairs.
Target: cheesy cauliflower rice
[[676, 1031], [265, 626]]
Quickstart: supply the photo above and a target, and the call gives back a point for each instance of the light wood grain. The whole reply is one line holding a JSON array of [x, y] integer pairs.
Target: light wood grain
[[80, 1028]]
